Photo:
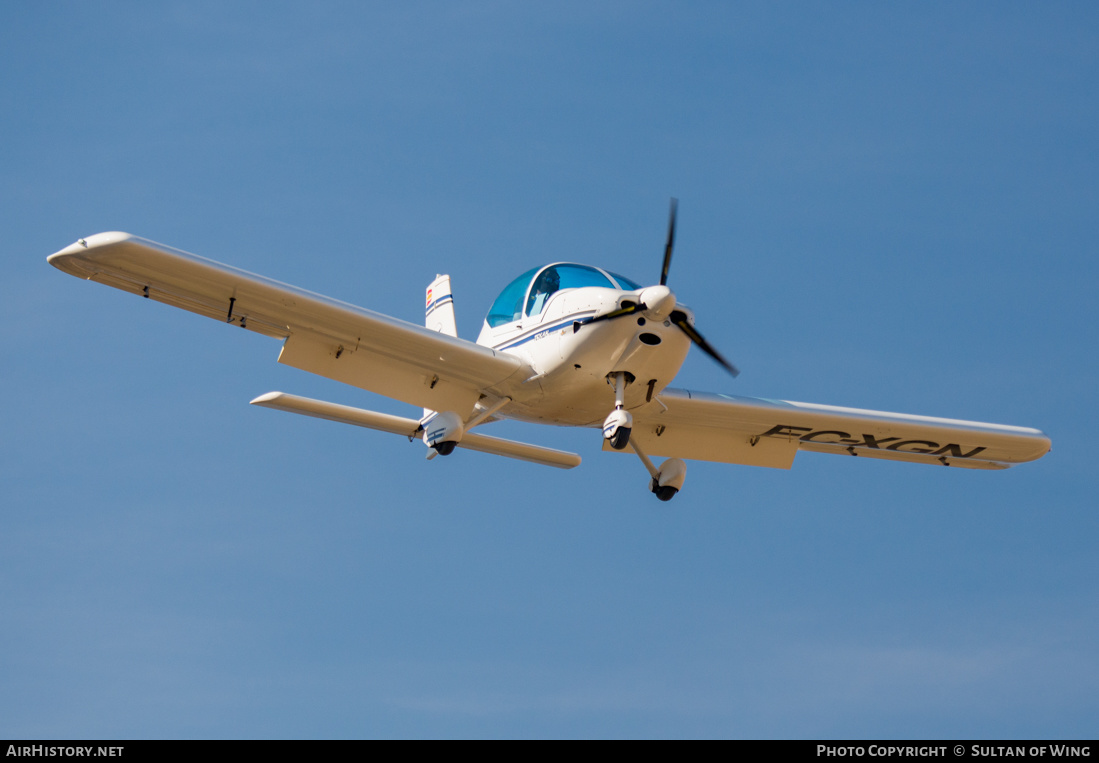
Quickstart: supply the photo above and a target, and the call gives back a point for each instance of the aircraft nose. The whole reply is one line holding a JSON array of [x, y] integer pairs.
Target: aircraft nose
[[659, 301]]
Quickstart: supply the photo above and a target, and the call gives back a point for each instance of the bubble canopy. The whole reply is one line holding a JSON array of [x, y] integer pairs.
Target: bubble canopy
[[529, 293]]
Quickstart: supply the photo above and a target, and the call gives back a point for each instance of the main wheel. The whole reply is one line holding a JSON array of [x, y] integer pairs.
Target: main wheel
[[665, 493], [445, 448]]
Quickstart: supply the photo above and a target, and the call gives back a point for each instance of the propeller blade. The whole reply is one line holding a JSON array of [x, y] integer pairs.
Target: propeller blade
[[671, 243], [680, 319], [628, 308]]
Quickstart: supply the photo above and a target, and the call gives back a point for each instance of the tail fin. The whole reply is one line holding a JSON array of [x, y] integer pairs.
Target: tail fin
[[440, 307], [439, 315]]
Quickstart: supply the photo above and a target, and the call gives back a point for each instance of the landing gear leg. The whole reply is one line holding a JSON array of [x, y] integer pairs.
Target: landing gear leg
[[619, 424], [668, 479]]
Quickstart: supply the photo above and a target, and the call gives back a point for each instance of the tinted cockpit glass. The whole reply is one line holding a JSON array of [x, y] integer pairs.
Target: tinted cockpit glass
[[626, 283], [558, 277], [508, 306], [547, 281]]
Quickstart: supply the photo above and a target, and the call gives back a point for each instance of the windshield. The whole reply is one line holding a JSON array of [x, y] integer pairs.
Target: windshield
[[625, 283], [508, 306], [558, 277]]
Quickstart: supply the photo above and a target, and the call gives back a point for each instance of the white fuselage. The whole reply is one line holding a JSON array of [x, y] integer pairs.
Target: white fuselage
[[571, 363]]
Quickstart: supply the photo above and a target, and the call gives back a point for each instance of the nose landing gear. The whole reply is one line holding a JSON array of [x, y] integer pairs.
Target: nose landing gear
[[619, 424], [617, 428]]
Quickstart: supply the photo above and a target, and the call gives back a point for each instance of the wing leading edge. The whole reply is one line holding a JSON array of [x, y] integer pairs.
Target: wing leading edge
[[757, 432], [322, 335]]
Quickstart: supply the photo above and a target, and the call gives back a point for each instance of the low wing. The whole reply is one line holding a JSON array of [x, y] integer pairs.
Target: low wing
[[323, 336], [745, 430]]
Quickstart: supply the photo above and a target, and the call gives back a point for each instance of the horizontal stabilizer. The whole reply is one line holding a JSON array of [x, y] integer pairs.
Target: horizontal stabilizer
[[385, 422], [520, 450], [344, 414]]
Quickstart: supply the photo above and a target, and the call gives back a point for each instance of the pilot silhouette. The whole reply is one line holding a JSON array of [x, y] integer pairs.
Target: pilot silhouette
[[546, 284]]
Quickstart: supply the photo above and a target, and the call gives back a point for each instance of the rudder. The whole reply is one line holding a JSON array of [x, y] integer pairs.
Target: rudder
[[439, 312]]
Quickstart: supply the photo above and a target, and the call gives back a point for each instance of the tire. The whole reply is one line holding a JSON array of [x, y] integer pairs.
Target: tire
[[621, 438], [665, 493]]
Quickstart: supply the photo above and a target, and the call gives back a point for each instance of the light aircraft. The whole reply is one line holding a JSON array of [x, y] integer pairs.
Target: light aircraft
[[563, 344]]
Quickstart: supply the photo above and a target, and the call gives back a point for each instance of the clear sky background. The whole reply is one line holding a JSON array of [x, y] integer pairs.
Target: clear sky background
[[882, 205]]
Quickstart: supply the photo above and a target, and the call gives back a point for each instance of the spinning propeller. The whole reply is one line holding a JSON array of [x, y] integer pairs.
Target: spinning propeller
[[658, 303]]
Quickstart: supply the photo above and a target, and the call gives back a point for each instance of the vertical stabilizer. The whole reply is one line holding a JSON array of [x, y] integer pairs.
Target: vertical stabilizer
[[439, 316], [440, 307]]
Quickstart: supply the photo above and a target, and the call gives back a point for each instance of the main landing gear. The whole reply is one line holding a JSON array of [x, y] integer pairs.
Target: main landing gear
[[443, 431], [619, 424], [668, 479]]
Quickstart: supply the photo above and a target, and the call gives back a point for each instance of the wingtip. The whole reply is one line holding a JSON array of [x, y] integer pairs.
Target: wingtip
[[91, 242], [81, 246]]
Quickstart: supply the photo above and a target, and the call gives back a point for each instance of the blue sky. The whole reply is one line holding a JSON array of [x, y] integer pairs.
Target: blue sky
[[887, 206]]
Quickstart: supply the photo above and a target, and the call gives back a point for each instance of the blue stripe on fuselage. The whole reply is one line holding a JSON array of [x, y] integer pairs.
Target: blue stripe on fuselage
[[536, 332]]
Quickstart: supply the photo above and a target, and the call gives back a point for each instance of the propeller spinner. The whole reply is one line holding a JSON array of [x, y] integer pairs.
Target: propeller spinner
[[658, 303]]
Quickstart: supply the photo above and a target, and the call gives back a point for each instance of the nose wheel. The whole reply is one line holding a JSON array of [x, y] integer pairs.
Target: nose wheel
[[617, 428], [619, 424]]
